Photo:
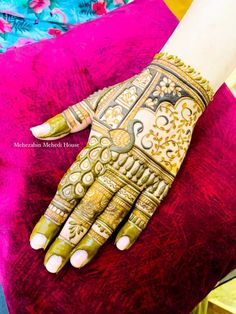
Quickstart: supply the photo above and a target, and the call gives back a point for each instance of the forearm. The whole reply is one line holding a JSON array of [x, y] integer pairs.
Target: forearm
[[206, 40]]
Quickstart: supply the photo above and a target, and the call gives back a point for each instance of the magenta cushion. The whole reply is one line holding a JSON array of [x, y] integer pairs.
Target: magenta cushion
[[188, 246]]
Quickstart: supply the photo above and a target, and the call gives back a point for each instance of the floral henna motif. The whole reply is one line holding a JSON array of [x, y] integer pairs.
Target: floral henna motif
[[113, 116], [169, 136], [166, 86]]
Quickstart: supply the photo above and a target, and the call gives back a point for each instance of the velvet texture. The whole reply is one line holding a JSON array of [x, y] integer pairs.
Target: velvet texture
[[188, 246]]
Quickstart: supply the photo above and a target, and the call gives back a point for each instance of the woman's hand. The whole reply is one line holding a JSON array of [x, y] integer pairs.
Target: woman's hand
[[141, 130]]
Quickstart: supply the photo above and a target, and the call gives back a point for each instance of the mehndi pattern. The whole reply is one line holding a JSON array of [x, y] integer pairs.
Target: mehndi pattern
[[141, 131]]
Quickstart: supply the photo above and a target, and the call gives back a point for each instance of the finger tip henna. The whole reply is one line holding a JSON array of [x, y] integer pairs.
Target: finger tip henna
[[123, 243], [53, 264], [57, 255], [38, 241], [54, 128], [79, 258], [43, 233], [41, 131]]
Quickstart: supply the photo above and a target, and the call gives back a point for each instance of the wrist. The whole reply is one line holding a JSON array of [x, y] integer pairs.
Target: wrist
[[175, 66]]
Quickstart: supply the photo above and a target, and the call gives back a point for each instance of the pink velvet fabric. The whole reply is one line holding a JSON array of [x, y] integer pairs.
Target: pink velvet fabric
[[188, 246]]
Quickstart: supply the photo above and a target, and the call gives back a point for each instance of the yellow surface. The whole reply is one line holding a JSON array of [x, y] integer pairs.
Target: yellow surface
[[221, 300], [231, 82], [178, 7], [224, 297]]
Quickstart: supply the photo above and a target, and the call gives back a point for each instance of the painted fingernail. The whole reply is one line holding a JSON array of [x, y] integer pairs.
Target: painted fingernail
[[53, 263], [38, 241], [79, 258], [123, 243], [41, 130]]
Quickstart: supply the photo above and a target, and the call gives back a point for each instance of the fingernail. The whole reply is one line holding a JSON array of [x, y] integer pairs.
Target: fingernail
[[41, 130], [38, 241], [123, 243], [53, 263], [79, 258]]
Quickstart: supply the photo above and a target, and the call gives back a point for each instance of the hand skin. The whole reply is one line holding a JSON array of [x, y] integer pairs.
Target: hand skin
[[141, 131], [197, 44]]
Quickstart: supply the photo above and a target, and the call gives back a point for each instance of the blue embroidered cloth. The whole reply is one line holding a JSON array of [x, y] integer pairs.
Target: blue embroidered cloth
[[26, 21]]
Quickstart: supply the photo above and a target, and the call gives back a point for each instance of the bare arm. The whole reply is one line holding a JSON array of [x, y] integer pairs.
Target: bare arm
[[206, 39]]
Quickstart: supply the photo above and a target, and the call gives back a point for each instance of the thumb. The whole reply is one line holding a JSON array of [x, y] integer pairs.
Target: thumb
[[74, 119]]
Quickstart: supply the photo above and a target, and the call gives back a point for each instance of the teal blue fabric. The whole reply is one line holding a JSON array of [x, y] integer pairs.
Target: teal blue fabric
[[27, 21], [3, 306]]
